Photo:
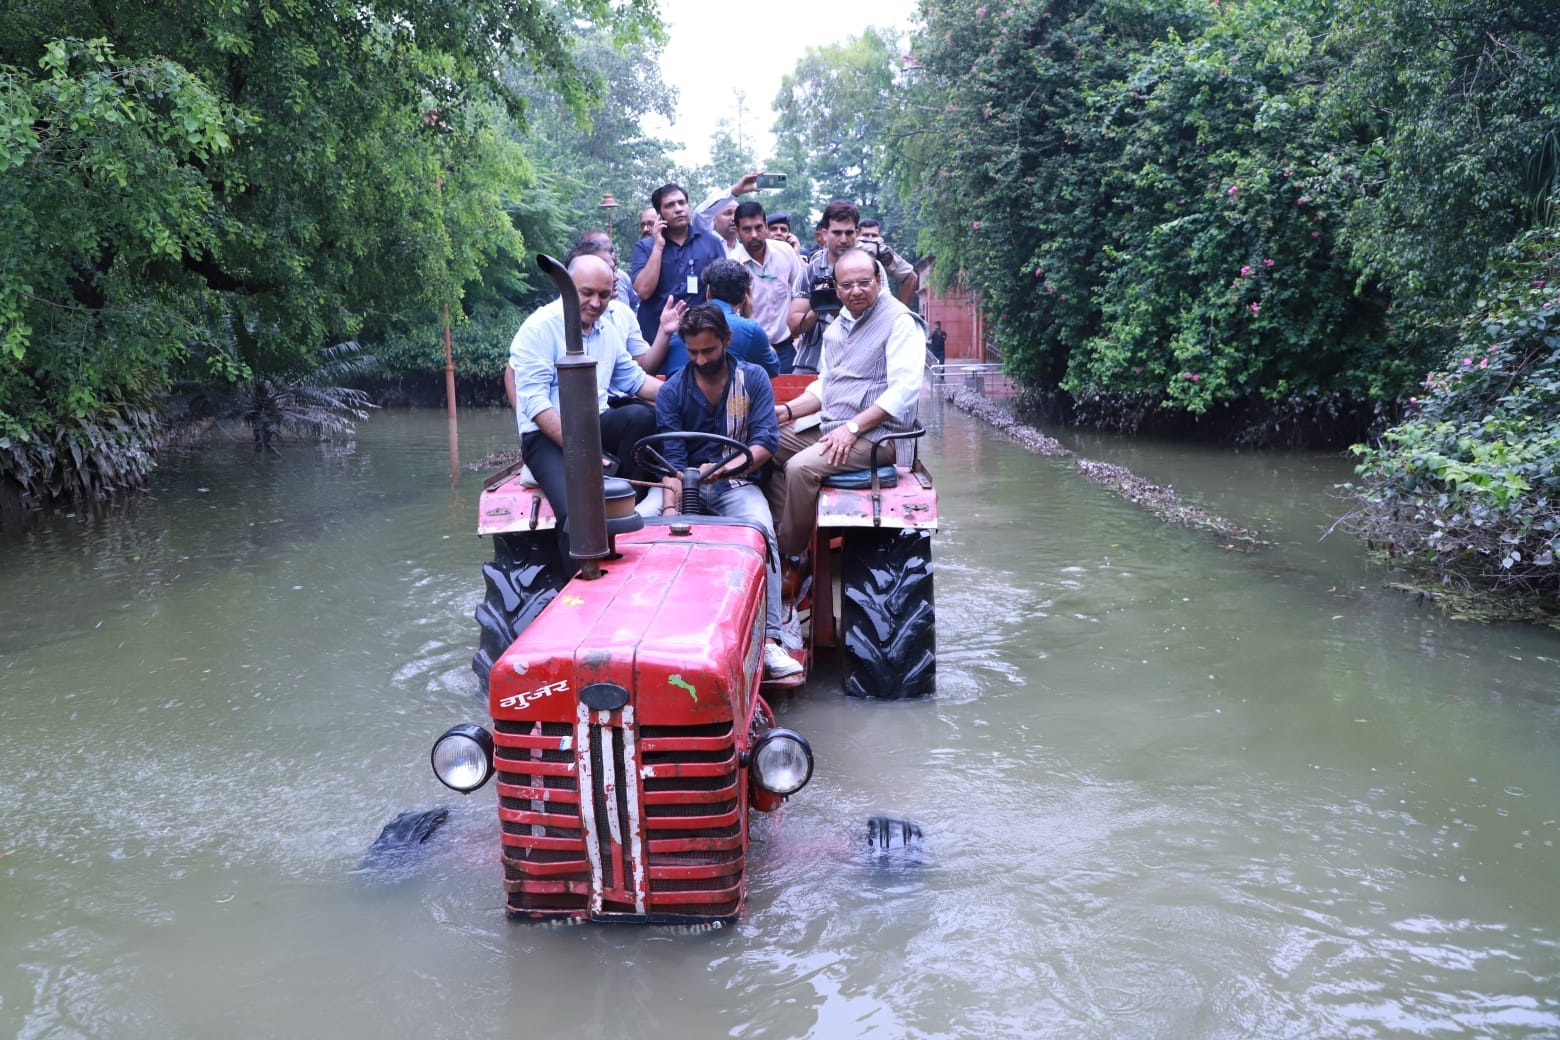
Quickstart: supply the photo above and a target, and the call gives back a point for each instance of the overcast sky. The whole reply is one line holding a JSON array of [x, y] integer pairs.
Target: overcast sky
[[701, 63]]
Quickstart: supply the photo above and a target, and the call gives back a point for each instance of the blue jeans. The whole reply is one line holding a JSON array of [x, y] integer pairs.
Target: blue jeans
[[747, 502]]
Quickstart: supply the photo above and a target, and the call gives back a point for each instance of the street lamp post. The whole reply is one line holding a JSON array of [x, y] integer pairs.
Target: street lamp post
[[609, 204]]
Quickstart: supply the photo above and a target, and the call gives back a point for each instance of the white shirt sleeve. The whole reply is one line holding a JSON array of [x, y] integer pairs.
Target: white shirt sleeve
[[906, 358], [704, 216]]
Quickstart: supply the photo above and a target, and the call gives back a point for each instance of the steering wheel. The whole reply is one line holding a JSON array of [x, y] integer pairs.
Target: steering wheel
[[654, 462]]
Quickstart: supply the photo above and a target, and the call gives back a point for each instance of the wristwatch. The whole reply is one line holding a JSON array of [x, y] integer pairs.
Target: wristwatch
[[854, 427]]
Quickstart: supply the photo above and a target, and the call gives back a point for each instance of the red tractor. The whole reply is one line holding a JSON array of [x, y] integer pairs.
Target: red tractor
[[630, 734]]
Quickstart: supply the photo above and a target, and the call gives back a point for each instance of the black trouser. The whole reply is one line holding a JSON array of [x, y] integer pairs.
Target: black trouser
[[621, 431]]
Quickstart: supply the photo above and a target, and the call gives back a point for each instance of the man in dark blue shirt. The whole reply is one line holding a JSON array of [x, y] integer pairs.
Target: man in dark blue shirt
[[727, 283], [716, 393], [669, 261]]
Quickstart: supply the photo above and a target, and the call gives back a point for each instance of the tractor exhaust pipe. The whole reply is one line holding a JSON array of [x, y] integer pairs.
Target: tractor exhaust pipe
[[577, 403]]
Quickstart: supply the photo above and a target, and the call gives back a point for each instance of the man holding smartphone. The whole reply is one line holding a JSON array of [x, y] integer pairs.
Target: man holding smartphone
[[668, 262]]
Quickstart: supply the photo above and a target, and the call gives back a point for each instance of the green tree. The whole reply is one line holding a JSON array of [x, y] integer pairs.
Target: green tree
[[299, 169], [1448, 111], [834, 111]]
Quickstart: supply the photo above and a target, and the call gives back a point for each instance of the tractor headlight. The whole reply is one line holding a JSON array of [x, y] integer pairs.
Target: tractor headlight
[[463, 757], [782, 762]]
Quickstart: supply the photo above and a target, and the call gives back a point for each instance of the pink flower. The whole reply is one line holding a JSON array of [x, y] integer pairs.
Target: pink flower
[[1256, 308], [974, 225], [1232, 190], [1245, 272], [1484, 362], [1490, 348], [1316, 234], [1267, 263], [1467, 361], [980, 12], [1039, 272], [1413, 400]]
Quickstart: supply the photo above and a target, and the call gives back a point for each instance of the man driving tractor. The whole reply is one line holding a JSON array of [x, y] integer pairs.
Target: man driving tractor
[[717, 394]]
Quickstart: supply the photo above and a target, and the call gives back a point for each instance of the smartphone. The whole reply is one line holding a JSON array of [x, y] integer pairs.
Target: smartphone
[[771, 180]]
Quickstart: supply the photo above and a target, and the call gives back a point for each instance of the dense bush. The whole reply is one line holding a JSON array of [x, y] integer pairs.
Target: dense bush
[[1265, 215], [1465, 494]]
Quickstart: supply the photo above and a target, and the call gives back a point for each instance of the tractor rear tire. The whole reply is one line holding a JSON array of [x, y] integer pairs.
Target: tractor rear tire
[[525, 574], [887, 618]]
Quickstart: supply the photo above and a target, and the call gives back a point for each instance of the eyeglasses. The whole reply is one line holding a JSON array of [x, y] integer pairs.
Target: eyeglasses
[[855, 286]]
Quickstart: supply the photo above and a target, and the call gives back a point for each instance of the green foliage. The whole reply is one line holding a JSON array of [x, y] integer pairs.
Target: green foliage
[[1465, 494], [1445, 116], [308, 400], [833, 116], [584, 150], [1218, 281], [1172, 208], [100, 193], [312, 171], [479, 346]]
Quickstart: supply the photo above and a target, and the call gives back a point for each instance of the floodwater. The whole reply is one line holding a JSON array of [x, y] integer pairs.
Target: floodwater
[[1168, 790]]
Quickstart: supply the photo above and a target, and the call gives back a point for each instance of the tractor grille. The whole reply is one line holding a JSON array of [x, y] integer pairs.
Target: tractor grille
[[658, 833]]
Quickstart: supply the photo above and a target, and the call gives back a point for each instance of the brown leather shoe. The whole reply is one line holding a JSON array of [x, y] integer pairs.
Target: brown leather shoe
[[795, 579]]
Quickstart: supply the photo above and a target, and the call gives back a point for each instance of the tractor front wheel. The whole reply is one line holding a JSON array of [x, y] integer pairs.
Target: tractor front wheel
[[525, 574], [887, 617]]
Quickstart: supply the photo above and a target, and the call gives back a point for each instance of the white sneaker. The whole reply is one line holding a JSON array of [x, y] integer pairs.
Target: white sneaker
[[777, 663]]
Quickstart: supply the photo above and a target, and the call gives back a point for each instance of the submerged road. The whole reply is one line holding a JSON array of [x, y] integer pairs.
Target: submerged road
[[1167, 790]]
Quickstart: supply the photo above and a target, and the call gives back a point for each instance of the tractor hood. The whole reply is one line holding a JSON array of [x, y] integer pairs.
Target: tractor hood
[[675, 624]]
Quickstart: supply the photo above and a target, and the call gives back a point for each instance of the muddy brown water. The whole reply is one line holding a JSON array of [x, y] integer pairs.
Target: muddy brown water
[[1167, 790]]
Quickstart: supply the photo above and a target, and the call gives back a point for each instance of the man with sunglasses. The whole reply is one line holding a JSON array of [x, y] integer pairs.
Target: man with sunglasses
[[868, 386]]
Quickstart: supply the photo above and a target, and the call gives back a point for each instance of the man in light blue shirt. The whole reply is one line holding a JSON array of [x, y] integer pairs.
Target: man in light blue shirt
[[534, 355]]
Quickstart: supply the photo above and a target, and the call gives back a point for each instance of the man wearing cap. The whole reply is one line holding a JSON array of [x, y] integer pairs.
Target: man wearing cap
[[774, 267], [717, 214], [780, 231]]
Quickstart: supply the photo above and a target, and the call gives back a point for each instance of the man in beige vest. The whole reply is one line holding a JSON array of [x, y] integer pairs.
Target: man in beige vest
[[868, 386]]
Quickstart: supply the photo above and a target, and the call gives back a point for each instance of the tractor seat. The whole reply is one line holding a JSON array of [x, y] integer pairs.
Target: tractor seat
[[861, 479]]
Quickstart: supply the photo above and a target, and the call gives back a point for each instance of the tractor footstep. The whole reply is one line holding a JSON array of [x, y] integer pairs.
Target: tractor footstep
[[403, 838], [890, 835]]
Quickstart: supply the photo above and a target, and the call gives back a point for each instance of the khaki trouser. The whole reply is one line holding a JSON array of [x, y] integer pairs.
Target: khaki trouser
[[797, 473]]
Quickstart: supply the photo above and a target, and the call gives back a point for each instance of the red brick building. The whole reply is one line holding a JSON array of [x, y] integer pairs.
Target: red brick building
[[959, 311]]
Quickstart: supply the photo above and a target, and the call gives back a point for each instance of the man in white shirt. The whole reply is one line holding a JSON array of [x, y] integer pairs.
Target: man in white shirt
[[868, 386], [775, 267]]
